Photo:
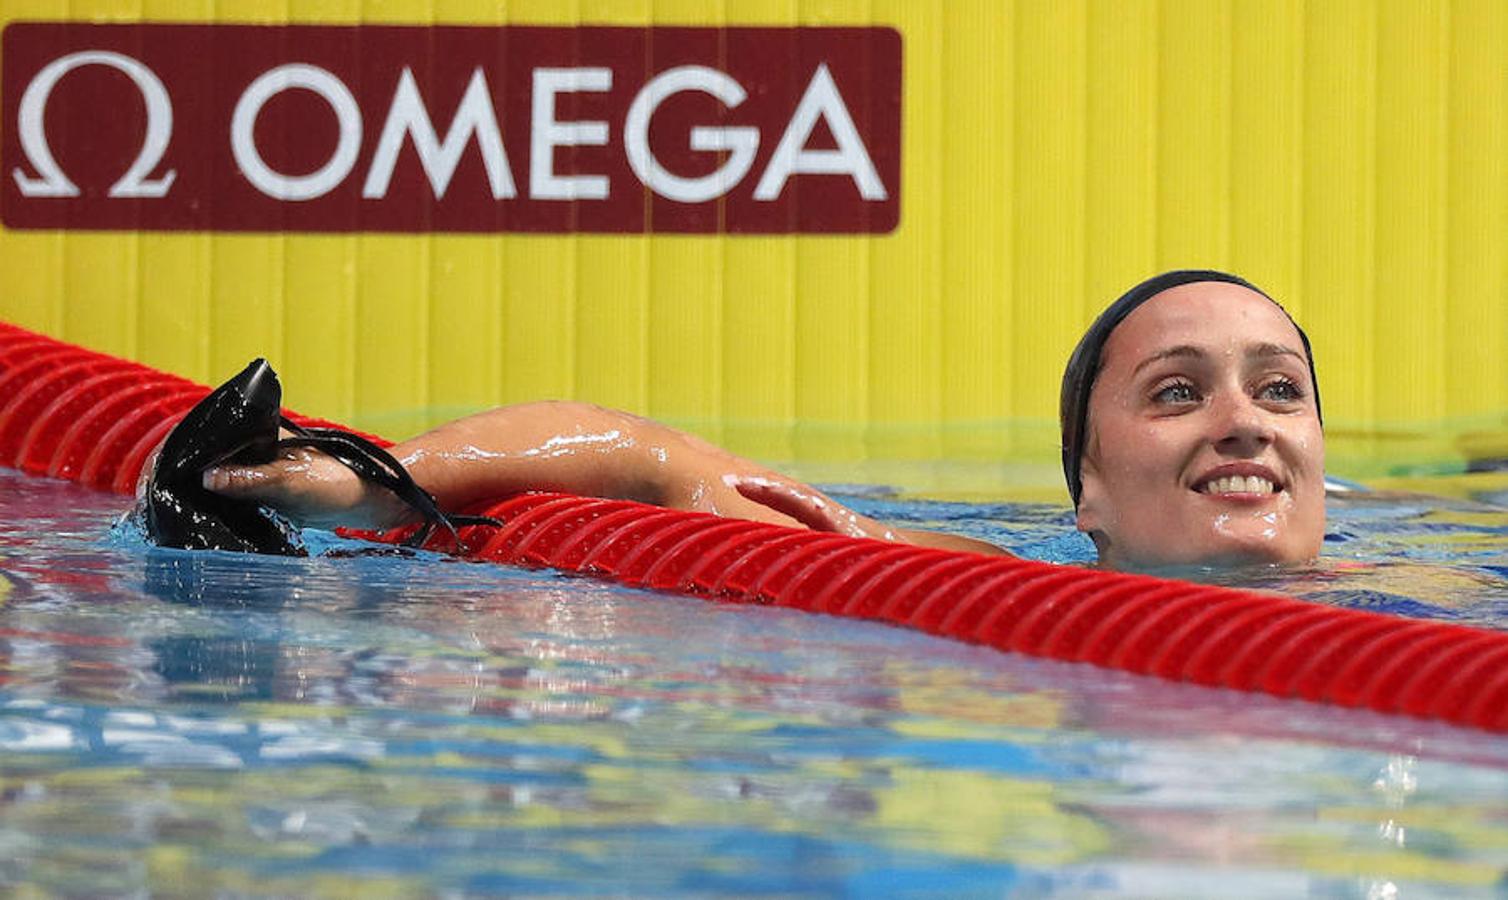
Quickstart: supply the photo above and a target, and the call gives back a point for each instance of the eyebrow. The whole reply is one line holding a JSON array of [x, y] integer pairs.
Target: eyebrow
[[1260, 351]]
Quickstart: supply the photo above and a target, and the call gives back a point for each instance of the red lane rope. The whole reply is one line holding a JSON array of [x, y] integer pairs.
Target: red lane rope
[[75, 414]]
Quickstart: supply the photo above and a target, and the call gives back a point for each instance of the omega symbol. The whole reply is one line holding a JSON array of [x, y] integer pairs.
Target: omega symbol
[[134, 183]]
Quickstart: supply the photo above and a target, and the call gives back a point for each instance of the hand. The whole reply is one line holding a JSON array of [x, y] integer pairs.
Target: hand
[[312, 489], [811, 508]]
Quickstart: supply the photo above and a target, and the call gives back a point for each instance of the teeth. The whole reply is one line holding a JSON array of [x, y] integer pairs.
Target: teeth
[[1236, 484]]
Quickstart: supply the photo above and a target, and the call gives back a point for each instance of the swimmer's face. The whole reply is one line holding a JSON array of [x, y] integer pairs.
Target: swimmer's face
[[1204, 441]]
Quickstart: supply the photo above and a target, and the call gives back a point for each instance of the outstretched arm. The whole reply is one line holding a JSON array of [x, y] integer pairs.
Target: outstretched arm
[[572, 447]]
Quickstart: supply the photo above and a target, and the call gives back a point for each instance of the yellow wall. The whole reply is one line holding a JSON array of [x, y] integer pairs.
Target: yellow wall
[[1348, 155]]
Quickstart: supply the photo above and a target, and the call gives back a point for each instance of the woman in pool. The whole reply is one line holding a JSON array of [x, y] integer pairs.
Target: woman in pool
[[1191, 436]]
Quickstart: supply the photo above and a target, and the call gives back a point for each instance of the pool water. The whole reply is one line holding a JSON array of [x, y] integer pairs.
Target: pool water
[[178, 723]]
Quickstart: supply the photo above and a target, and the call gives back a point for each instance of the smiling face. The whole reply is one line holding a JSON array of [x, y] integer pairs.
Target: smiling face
[[1204, 442]]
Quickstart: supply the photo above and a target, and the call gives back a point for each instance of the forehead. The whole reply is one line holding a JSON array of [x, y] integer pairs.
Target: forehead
[[1213, 315]]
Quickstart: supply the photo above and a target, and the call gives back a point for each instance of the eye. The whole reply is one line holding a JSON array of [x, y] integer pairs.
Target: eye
[[1281, 390], [1177, 393]]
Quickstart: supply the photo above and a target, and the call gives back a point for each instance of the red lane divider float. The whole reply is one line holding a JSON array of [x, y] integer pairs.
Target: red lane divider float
[[71, 413]]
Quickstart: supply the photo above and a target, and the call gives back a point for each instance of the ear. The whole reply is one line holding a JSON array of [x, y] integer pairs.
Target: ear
[[1091, 515]]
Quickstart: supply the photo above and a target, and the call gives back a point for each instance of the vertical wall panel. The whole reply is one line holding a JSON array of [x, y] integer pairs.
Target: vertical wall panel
[[1339, 113], [684, 337], [905, 347], [465, 12], [100, 278], [831, 342], [538, 300], [612, 324], [306, 11], [762, 12], [173, 326], [1476, 288], [246, 301], [1266, 147], [35, 292], [971, 150], [1120, 171], [1193, 134], [392, 333], [1050, 50], [465, 370], [320, 275], [759, 345], [1409, 345]]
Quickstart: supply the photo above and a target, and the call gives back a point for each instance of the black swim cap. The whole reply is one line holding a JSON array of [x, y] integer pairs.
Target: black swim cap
[[1084, 364]]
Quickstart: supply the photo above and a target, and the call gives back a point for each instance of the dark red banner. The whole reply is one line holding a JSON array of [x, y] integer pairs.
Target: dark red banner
[[450, 129]]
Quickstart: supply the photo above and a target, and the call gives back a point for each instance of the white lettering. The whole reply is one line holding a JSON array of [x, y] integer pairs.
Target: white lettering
[[821, 100], [30, 120], [546, 134], [408, 115], [475, 119], [739, 142], [243, 132]]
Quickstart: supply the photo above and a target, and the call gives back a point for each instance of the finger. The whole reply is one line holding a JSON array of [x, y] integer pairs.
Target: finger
[[807, 507], [242, 481], [263, 480], [812, 508]]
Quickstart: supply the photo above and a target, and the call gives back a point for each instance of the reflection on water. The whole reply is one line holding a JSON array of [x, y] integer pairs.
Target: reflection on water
[[200, 723]]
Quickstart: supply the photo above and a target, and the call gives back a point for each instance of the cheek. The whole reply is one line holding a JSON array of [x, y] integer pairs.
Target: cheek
[[1140, 458], [1307, 440], [1306, 462]]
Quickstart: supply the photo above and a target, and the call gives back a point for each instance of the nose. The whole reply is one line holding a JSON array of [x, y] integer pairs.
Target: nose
[[1241, 427]]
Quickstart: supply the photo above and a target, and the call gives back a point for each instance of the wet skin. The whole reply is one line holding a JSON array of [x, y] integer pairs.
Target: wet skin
[[573, 447], [1205, 445]]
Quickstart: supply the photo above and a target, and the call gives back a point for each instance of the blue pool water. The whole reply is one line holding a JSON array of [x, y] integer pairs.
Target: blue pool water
[[192, 724]]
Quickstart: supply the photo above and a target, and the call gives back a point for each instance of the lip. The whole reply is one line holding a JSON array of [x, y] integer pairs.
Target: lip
[[1239, 470]]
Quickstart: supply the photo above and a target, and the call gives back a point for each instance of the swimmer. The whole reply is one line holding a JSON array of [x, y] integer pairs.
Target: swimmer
[[1191, 428], [1191, 436]]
